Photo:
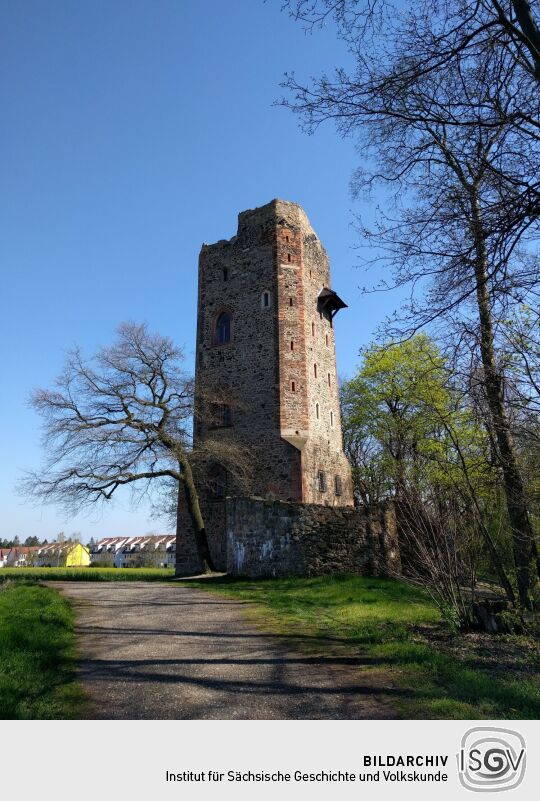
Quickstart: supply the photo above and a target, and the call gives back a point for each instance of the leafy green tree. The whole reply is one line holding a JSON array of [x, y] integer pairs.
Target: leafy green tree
[[411, 434], [394, 410]]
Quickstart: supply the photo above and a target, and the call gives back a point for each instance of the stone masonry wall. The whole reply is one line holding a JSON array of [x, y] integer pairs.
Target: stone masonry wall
[[275, 538], [277, 374]]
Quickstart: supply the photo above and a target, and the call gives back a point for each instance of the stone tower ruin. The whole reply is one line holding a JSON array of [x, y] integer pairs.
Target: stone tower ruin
[[266, 351]]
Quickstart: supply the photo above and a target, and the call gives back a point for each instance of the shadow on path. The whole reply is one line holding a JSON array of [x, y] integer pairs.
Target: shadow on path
[[169, 651]]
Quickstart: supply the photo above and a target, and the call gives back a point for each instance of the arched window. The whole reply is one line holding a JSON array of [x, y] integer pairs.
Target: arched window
[[317, 410], [265, 300], [222, 333]]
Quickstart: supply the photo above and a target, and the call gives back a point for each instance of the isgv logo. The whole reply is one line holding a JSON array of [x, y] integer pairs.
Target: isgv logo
[[491, 759]]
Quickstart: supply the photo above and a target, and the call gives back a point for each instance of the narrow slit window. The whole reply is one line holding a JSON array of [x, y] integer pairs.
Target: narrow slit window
[[312, 329], [293, 386], [329, 381], [225, 274], [288, 257], [292, 345], [315, 370], [317, 411], [290, 301], [218, 486], [265, 300], [332, 418], [327, 340]]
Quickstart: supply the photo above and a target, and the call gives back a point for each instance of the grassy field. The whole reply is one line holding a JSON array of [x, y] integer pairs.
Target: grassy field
[[401, 634], [87, 573], [37, 654]]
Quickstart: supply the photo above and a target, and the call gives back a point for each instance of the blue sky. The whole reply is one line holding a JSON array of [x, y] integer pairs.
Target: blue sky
[[132, 132]]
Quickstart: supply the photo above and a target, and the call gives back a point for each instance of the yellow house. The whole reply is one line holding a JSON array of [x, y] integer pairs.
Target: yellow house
[[63, 554]]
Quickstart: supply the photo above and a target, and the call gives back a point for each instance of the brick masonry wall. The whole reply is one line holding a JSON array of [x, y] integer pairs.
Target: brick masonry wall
[[274, 538]]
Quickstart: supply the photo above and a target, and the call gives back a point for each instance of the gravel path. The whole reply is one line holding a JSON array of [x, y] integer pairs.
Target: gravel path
[[159, 651]]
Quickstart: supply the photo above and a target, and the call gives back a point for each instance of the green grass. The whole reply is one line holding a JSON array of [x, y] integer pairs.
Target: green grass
[[37, 655], [87, 573], [399, 632]]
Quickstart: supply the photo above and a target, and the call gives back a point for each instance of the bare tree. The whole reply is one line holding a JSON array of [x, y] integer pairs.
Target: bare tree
[[439, 550], [446, 30], [464, 218], [123, 418]]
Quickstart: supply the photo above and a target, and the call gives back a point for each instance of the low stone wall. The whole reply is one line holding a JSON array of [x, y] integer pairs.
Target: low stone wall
[[274, 538]]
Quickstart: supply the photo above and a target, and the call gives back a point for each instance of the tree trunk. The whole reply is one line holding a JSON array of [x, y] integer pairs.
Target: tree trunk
[[192, 500], [522, 534], [528, 25]]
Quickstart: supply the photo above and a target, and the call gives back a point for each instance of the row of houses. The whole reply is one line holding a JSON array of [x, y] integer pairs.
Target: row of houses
[[20, 556], [53, 554], [152, 550]]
